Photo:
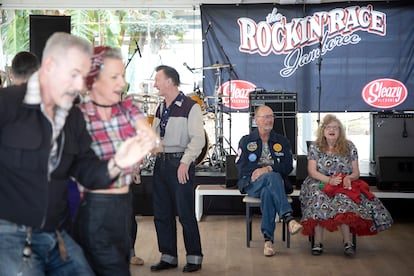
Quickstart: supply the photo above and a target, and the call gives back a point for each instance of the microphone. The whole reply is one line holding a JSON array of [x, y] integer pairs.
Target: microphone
[[405, 132], [138, 49], [188, 67], [207, 30], [319, 63]]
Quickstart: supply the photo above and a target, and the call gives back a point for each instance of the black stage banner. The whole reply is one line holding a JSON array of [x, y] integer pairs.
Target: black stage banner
[[338, 57]]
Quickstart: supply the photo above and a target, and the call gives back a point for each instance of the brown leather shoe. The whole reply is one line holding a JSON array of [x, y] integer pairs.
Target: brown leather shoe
[[136, 261], [294, 227]]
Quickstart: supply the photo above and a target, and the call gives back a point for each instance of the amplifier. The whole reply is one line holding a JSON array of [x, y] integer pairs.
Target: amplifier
[[392, 134], [272, 96], [284, 106], [395, 173]]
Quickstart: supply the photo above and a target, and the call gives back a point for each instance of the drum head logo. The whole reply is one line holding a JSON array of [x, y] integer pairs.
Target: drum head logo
[[236, 94]]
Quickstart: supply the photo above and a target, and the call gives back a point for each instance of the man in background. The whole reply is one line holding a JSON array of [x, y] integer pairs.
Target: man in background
[[179, 122], [24, 64]]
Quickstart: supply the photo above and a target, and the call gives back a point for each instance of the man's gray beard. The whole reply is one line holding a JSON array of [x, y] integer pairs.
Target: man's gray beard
[[67, 107], [70, 104]]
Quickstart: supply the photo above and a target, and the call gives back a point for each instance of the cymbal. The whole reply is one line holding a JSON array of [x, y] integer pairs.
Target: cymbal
[[145, 98], [214, 66], [143, 95], [152, 80], [146, 102]]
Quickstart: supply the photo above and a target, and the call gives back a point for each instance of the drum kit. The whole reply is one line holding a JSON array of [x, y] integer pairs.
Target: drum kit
[[212, 107], [148, 104], [218, 151]]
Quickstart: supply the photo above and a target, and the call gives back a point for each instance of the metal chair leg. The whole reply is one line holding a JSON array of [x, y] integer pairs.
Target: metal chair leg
[[248, 225]]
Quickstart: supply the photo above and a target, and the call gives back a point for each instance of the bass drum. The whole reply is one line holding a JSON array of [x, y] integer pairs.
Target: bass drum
[[199, 160]]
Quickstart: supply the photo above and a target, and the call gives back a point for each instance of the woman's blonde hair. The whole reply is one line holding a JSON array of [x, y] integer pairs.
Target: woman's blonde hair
[[341, 146]]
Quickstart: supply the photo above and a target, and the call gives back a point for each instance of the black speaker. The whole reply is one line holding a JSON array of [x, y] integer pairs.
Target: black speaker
[[284, 106], [301, 167], [42, 27], [395, 173], [231, 172], [392, 134]]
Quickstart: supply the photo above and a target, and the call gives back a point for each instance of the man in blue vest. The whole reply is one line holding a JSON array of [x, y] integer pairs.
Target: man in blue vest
[[264, 161]]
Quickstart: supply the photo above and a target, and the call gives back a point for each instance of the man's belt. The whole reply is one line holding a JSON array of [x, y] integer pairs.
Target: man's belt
[[169, 155]]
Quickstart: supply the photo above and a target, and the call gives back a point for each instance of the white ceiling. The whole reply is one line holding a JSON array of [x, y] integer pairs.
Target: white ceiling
[[125, 4]]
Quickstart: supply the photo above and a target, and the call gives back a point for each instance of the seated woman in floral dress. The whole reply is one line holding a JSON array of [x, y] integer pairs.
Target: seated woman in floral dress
[[332, 196]]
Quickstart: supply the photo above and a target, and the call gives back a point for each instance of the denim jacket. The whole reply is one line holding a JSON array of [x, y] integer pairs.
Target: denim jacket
[[250, 150]]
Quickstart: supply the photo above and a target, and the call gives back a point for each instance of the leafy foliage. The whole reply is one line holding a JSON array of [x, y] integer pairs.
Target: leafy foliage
[[101, 27]]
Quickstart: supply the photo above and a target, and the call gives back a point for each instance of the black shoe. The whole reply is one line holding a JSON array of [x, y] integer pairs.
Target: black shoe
[[349, 250], [162, 266], [191, 267], [317, 249]]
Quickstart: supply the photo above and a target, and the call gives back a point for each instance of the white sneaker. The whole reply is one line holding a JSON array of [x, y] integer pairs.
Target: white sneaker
[[268, 249], [294, 227]]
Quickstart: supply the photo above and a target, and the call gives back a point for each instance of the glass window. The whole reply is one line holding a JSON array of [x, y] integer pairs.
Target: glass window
[[147, 37], [150, 37]]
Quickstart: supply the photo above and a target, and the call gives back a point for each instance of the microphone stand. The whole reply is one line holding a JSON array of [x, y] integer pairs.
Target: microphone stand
[[137, 50], [124, 93], [319, 63]]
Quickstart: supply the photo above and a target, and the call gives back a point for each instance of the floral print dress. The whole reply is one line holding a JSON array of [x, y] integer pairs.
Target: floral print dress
[[367, 217]]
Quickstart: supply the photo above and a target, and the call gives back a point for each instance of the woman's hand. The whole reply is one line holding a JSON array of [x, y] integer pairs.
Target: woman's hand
[[335, 180], [347, 182], [134, 149]]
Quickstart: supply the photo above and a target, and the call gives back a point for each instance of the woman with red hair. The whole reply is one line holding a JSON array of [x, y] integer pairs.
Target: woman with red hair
[[103, 221]]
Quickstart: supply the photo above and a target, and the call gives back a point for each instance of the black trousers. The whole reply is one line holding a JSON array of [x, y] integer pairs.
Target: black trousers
[[171, 198], [102, 228]]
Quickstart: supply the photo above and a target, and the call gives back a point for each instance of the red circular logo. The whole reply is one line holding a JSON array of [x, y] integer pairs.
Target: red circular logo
[[384, 93], [236, 93]]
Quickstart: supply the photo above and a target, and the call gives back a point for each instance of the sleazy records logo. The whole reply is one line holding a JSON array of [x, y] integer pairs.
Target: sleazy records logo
[[236, 93], [384, 93]]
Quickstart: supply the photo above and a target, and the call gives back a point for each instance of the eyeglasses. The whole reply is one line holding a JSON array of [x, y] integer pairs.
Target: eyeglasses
[[265, 116], [331, 127]]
